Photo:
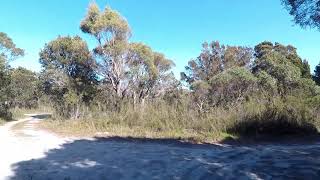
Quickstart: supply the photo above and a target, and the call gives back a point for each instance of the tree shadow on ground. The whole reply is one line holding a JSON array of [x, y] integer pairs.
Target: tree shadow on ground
[[42, 116], [135, 158], [263, 139], [272, 130]]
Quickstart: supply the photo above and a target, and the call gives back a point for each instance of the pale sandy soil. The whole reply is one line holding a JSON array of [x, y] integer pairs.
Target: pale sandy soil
[[30, 154], [23, 143]]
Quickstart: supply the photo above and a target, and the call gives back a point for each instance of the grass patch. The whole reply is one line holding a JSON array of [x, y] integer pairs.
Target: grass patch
[[89, 128], [251, 120], [160, 121]]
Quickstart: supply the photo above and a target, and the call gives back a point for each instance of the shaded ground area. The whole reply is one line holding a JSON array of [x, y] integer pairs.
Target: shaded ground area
[[130, 158]]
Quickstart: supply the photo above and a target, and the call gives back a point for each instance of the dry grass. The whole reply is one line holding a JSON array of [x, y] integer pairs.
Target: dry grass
[[163, 121], [85, 128], [154, 121]]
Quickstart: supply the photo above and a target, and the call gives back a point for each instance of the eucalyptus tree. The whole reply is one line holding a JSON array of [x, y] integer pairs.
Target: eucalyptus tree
[[24, 88], [150, 72], [8, 52], [214, 59], [284, 65], [68, 74], [233, 86], [4, 90], [267, 48], [306, 13], [288, 53], [112, 32], [204, 72], [127, 69]]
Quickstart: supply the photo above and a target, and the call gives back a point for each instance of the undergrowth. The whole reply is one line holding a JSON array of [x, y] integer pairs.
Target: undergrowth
[[251, 119]]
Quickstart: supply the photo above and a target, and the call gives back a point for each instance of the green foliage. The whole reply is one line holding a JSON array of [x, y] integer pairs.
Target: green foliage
[[284, 65], [316, 76], [148, 71], [5, 113], [214, 59], [268, 53], [305, 70], [277, 82], [4, 81], [68, 75], [24, 95], [127, 70], [111, 31], [266, 82], [263, 48], [107, 25], [8, 52], [305, 88], [200, 96], [305, 12], [233, 85], [157, 120], [214, 76], [278, 118]]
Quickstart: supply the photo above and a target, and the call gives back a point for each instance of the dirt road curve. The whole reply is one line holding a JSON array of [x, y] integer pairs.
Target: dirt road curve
[[27, 153]]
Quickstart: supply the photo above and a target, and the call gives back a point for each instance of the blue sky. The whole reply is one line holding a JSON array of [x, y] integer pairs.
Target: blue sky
[[176, 28]]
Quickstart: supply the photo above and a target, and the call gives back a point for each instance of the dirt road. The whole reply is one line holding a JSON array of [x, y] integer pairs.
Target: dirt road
[[27, 153], [23, 143]]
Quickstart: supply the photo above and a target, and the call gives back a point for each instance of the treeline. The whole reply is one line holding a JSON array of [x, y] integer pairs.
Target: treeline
[[18, 87], [267, 89]]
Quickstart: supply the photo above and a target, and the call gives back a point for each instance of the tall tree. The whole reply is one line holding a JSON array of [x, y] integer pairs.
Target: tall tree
[[267, 50], [149, 72], [306, 13], [111, 31], [128, 69], [24, 95], [68, 71], [210, 72], [214, 59], [283, 64], [8, 52]]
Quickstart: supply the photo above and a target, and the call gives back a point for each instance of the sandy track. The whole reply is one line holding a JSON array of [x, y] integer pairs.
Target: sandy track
[[38, 155], [23, 143]]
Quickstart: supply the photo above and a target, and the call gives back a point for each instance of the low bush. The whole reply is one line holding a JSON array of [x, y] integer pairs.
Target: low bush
[[278, 118], [156, 120], [160, 120], [5, 114]]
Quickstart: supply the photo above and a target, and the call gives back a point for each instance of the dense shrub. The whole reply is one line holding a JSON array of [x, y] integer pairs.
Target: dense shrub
[[278, 118], [5, 112]]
